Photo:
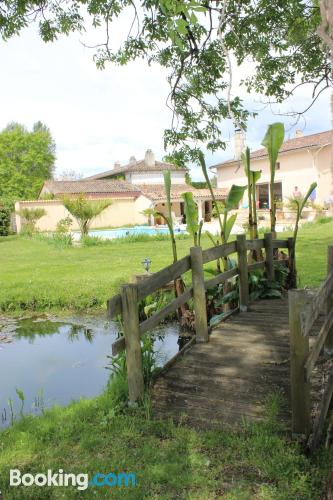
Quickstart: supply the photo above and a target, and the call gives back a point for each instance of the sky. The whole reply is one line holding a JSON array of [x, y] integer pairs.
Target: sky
[[98, 117]]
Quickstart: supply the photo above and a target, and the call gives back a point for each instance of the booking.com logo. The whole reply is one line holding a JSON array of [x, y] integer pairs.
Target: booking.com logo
[[80, 481]]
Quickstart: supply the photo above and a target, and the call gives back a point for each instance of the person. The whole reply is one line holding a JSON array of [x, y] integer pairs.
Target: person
[[296, 192]]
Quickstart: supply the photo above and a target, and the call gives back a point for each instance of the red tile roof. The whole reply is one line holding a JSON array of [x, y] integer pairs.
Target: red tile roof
[[303, 142], [156, 192], [138, 166], [90, 186]]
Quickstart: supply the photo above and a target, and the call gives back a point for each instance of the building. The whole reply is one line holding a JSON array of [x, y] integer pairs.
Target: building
[[302, 160], [134, 187]]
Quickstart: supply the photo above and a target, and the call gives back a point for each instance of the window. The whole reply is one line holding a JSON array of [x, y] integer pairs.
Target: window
[[278, 166]]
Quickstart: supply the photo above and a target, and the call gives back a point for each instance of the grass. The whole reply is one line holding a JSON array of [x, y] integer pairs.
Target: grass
[[90, 436], [37, 276], [170, 461]]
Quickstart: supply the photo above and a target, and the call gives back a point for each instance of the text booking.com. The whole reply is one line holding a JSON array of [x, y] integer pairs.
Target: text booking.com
[[80, 481]]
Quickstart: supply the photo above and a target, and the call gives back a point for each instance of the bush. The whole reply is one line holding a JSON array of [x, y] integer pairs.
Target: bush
[[4, 221], [324, 220]]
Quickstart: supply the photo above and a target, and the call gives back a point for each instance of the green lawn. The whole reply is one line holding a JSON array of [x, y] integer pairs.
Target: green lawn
[[171, 462], [35, 275]]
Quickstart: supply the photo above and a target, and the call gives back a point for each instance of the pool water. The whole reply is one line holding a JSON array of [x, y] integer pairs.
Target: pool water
[[57, 361], [130, 231]]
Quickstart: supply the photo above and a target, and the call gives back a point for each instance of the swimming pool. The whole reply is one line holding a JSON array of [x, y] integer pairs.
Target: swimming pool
[[130, 231]]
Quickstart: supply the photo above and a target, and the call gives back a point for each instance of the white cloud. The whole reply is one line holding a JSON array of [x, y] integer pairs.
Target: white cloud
[[98, 117]]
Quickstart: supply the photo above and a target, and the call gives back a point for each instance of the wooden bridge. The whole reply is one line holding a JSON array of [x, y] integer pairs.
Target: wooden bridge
[[224, 376]]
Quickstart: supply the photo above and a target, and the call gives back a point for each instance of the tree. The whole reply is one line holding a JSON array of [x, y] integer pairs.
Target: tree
[[85, 211], [196, 42], [26, 161], [69, 175], [4, 220]]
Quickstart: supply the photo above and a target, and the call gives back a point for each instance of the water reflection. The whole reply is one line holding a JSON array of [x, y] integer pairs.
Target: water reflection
[[32, 329], [59, 360]]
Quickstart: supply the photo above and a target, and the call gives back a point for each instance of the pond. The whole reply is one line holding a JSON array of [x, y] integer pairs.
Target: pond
[[56, 361]]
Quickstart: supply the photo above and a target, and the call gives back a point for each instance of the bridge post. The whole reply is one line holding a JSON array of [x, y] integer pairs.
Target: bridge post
[[243, 273], [199, 295], [129, 297], [329, 303], [299, 351], [269, 262]]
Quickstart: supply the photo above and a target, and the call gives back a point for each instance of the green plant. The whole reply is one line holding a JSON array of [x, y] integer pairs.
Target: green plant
[[64, 225], [84, 210], [4, 220], [193, 225], [324, 220], [252, 179], [298, 204], [273, 141], [30, 218], [151, 212]]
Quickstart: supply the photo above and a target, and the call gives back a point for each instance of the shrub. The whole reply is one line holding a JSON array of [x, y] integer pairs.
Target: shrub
[[4, 221], [30, 217], [324, 220], [63, 225]]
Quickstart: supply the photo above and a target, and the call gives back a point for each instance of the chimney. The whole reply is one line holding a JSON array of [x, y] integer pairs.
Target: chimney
[[298, 133], [132, 160], [116, 164], [149, 158], [239, 143]]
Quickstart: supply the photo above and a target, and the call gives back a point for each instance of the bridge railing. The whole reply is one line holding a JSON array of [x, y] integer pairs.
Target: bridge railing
[[126, 303], [305, 307]]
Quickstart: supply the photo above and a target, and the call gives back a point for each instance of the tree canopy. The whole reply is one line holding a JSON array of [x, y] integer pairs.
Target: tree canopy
[[197, 41], [26, 161]]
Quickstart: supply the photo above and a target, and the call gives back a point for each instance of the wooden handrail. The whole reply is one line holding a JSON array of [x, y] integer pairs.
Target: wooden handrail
[[318, 345], [218, 252], [316, 304], [304, 310], [127, 303]]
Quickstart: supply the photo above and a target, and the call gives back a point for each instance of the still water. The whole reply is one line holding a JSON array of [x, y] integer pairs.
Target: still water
[[55, 362]]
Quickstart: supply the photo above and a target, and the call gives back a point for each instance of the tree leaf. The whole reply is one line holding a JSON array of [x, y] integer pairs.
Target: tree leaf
[[307, 196], [229, 225], [191, 212], [272, 141], [234, 197]]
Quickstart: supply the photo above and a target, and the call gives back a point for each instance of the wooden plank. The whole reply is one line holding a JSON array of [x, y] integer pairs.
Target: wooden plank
[[129, 297], [199, 295], [316, 304], [283, 262], [218, 252], [161, 278], [318, 345], [156, 318], [299, 351], [221, 278], [118, 346], [324, 406], [114, 306], [256, 265], [254, 244], [243, 273], [280, 244]]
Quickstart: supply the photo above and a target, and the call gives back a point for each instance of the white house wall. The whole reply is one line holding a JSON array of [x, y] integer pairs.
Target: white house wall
[[296, 169], [122, 212]]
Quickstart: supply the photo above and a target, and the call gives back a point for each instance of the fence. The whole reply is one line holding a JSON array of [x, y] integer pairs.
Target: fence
[[126, 303], [304, 309]]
